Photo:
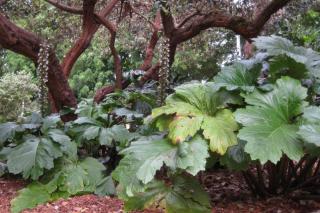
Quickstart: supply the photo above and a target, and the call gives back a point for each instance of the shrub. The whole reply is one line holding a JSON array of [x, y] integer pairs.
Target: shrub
[[17, 95]]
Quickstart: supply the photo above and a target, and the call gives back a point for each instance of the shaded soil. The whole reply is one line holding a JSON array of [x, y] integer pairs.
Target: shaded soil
[[228, 193]]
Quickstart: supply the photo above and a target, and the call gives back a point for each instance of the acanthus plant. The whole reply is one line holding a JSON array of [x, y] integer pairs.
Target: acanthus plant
[[258, 116], [64, 159], [38, 149], [102, 130]]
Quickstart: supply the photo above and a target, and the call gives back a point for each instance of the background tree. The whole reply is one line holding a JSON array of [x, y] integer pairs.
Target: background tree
[[180, 22]]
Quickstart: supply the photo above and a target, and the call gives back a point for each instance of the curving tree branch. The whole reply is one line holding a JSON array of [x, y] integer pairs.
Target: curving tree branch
[[218, 18], [117, 61], [90, 27]]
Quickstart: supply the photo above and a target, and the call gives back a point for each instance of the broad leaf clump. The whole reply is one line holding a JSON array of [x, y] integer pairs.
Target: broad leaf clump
[[39, 149], [199, 108], [140, 188]]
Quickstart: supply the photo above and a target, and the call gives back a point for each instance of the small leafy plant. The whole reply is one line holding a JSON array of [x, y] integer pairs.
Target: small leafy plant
[[38, 149]]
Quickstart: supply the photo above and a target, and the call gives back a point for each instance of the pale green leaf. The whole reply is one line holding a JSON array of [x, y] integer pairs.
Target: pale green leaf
[[268, 124], [58, 136], [310, 133], [219, 130], [91, 133], [183, 127]]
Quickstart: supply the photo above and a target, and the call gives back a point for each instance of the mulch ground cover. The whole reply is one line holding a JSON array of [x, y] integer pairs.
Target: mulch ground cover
[[229, 194]]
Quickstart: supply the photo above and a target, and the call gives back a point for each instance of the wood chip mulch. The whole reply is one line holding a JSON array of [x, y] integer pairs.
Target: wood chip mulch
[[228, 192]]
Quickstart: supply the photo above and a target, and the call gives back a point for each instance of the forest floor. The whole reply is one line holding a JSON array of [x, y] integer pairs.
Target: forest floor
[[228, 193]]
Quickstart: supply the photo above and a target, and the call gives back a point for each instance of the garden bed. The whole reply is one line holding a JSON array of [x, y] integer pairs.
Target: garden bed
[[227, 190]]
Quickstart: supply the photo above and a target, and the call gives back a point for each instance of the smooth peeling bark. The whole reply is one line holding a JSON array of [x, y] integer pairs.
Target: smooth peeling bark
[[26, 43], [90, 27]]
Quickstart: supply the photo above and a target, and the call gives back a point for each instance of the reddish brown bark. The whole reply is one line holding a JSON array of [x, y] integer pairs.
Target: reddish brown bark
[[90, 27], [117, 61], [217, 18], [28, 44], [147, 63]]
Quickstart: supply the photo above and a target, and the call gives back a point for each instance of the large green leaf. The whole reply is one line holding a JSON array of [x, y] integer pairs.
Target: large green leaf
[[125, 174], [146, 156], [195, 107], [68, 178], [3, 169], [59, 136], [7, 131], [310, 130], [238, 76], [105, 187], [50, 122], [91, 133], [153, 192], [184, 195], [32, 157], [219, 130], [310, 133], [269, 123], [31, 196], [182, 127], [277, 46], [286, 66], [94, 171]]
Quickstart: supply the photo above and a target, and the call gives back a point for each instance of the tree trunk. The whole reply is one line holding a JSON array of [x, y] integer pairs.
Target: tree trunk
[[28, 44]]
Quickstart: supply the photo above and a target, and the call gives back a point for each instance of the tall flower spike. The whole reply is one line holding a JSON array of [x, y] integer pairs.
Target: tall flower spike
[[42, 73], [164, 70]]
